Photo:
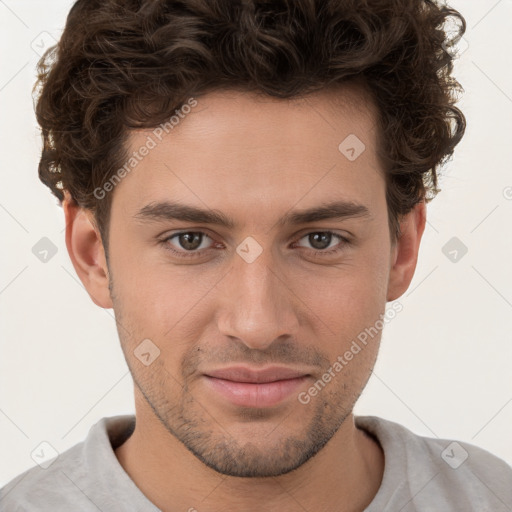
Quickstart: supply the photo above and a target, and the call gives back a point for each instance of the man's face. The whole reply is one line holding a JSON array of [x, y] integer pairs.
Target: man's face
[[224, 300]]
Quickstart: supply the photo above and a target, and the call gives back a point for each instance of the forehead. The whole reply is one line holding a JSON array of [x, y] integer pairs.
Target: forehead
[[231, 116], [242, 150]]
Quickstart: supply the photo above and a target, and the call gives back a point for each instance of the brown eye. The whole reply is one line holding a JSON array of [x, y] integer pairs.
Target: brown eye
[[186, 243], [189, 241], [321, 242]]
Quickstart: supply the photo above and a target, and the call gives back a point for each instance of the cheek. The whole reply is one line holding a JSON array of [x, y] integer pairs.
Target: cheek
[[162, 303], [348, 298]]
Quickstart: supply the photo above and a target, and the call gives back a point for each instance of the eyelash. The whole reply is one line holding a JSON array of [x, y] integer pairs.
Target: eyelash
[[194, 254]]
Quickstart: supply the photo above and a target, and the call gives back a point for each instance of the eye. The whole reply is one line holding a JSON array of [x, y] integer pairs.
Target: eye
[[190, 242], [322, 240]]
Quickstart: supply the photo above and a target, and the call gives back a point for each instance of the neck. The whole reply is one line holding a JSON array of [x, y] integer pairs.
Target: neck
[[344, 476]]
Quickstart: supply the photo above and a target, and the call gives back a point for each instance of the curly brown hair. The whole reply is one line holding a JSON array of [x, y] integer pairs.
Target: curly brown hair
[[124, 64]]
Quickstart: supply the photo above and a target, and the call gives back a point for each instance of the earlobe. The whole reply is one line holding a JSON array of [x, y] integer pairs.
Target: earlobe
[[86, 252], [404, 255]]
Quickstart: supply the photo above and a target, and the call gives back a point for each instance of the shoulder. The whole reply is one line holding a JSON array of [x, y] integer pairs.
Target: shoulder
[[41, 487], [79, 478], [440, 472]]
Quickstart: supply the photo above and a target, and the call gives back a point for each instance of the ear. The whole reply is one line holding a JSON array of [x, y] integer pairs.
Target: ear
[[404, 254], [86, 251]]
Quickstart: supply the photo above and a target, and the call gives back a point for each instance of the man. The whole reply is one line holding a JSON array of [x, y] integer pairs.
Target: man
[[245, 183]]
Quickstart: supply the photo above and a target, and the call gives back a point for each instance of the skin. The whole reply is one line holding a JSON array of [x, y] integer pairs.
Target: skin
[[254, 159]]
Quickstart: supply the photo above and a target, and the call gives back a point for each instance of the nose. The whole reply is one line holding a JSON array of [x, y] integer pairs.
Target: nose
[[258, 305]]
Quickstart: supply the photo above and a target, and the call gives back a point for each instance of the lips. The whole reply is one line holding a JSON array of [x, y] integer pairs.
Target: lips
[[245, 387], [243, 374]]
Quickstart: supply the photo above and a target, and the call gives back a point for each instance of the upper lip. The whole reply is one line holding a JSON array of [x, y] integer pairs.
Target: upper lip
[[244, 374]]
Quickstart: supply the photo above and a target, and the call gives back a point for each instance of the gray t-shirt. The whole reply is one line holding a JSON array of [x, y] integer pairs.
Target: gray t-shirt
[[420, 474]]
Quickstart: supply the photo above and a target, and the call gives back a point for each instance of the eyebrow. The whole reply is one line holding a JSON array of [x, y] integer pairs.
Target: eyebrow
[[165, 210]]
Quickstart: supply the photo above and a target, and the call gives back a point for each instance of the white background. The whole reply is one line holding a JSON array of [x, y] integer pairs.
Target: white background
[[445, 362]]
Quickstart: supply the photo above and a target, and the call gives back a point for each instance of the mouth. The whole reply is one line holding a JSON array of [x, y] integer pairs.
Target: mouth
[[246, 387]]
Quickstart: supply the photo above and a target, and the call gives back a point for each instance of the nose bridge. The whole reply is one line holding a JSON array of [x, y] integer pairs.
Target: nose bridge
[[257, 305]]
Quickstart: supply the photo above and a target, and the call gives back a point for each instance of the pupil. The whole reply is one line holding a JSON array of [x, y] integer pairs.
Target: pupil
[[313, 239], [188, 244]]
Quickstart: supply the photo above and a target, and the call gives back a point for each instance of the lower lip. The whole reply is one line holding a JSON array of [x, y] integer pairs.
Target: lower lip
[[248, 394]]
